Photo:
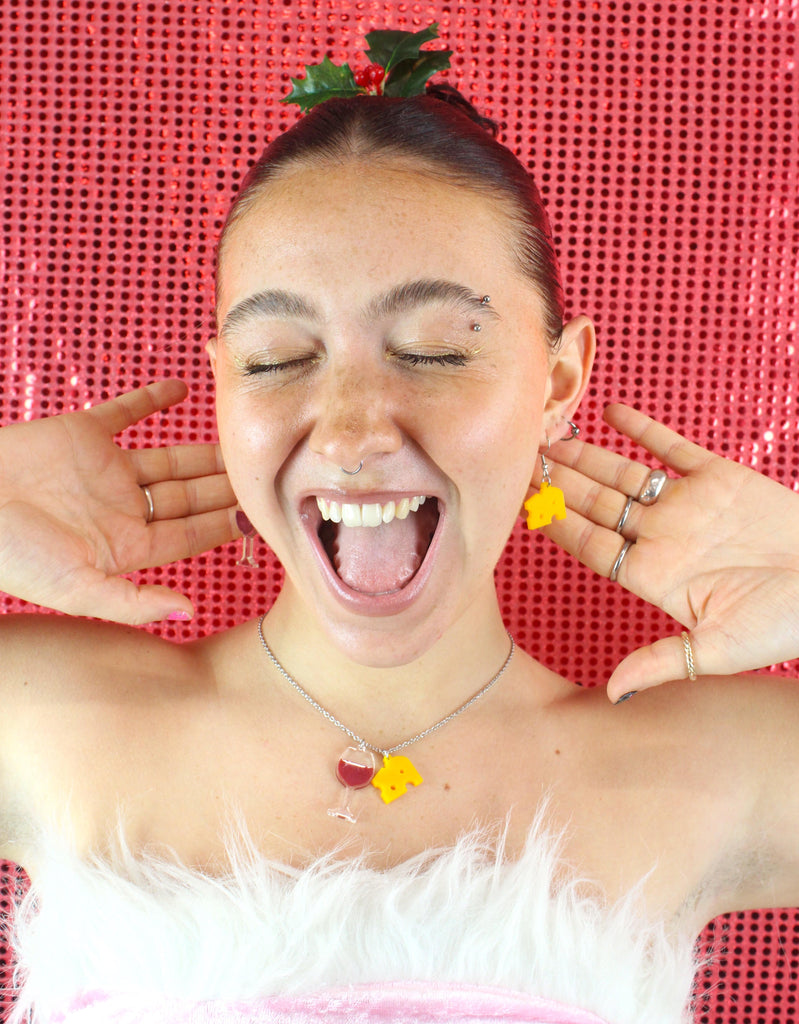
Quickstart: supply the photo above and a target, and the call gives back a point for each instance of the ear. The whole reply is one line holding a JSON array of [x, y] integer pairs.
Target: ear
[[210, 348], [570, 371]]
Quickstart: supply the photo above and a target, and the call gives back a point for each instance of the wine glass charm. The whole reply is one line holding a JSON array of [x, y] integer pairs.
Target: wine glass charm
[[355, 769], [247, 541]]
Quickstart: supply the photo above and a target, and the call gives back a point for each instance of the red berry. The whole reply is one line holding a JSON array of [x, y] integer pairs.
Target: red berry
[[370, 77]]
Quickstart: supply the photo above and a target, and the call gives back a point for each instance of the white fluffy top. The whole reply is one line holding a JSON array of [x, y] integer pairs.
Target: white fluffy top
[[465, 914]]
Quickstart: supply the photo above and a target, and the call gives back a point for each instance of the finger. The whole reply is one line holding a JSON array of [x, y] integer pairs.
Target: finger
[[123, 601], [176, 499], [122, 412], [660, 662], [176, 462], [602, 466], [594, 546], [671, 448], [120, 599], [176, 539], [602, 505]]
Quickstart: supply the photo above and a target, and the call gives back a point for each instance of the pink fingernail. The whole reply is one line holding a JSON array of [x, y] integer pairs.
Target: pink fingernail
[[178, 617]]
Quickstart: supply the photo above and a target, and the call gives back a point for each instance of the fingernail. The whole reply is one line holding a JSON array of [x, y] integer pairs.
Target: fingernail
[[178, 617], [626, 696]]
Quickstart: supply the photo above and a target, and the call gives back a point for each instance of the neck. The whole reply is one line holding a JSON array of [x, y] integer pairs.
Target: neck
[[389, 701]]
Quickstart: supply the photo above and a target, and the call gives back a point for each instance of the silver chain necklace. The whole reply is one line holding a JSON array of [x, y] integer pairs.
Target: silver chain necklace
[[356, 767]]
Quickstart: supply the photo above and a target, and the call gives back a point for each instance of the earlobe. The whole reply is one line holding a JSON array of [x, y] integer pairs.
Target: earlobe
[[569, 374], [210, 348]]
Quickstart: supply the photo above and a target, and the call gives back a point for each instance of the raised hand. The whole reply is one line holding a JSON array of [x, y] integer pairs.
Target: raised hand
[[74, 515], [718, 550]]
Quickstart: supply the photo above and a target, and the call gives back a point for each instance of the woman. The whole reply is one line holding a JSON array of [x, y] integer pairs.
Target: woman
[[390, 350]]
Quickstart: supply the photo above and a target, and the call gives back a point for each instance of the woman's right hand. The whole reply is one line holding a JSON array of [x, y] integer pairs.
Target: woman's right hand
[[73, 515]]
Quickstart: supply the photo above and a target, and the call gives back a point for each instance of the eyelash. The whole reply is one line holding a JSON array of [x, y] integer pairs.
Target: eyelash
[[412, 358], [256, 368], [446, 359]]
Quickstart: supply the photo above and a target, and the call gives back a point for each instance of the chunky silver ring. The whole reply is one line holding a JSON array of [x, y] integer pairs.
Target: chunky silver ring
[[689, 656], [614, 572], [353, 472], [654, 485], [625, 513], [150, 507]]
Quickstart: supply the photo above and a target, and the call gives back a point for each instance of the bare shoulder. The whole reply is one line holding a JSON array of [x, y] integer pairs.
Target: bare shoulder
[[718, 754], [690, 777], [71, 691], [47, 656], [732, 731]]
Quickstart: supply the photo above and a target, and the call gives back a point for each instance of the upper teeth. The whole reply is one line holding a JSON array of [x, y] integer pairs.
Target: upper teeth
[[370, 514]]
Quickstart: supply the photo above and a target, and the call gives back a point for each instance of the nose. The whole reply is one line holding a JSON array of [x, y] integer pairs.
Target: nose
[[355, 418]]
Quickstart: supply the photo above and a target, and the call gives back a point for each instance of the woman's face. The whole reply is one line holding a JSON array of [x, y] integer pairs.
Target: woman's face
[[353, 329]]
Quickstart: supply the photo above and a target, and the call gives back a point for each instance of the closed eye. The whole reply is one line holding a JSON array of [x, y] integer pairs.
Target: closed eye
[[253, 369], [445, 359]]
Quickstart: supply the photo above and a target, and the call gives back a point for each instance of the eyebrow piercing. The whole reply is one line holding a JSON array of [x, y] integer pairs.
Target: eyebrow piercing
[[476, 327], [485, 299]]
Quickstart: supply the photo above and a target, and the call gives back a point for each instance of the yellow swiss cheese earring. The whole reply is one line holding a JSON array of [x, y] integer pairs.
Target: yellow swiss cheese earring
[[547, 505]]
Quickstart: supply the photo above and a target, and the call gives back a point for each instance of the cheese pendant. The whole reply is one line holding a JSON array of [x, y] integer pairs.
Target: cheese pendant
[[545, 506], [395, 776]]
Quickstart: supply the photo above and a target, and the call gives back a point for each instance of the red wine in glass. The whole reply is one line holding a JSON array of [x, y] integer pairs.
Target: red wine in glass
[[355, 769]]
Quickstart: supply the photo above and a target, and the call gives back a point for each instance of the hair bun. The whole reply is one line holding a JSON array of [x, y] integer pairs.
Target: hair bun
[[449, 94]]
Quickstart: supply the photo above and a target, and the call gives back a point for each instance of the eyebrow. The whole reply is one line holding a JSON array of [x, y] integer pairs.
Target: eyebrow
[[283, 305], [270, 303], [426, 292]]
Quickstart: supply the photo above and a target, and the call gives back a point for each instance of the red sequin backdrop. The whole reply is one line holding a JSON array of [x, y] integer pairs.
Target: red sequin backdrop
[[664, 137]]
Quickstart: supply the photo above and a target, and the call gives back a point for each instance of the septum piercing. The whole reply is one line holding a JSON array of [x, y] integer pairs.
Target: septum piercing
[[353, 472]]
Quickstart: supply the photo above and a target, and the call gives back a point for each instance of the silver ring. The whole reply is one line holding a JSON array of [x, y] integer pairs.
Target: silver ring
[[574, 431], [689, 656], [614, 572], [150, 507], [625, 513], [654, 485], [353, 472]]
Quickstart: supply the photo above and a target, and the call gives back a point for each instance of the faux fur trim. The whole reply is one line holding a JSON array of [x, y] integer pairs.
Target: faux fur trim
[[146, 925]]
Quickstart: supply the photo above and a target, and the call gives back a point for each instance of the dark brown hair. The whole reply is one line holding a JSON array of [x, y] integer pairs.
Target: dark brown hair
[[443, 134]]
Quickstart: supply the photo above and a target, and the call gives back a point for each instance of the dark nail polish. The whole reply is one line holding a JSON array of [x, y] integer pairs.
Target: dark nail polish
[[626, 696]]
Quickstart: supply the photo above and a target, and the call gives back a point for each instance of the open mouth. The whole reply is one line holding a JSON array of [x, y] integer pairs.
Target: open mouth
[[375, 548]]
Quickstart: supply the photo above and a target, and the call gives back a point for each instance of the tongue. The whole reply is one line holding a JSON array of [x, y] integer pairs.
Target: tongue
[[381, 559]]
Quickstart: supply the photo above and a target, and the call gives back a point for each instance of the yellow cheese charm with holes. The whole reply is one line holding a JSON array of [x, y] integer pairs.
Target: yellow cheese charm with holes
[[545, 506], [395, 776]]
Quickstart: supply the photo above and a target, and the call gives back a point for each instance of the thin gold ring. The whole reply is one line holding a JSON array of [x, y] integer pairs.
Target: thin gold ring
[[689, 655]]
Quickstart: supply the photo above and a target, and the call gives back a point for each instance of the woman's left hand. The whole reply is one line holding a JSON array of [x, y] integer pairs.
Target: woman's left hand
[[718, 550]]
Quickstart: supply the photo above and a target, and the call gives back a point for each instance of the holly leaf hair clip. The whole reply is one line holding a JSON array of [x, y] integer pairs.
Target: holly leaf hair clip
[[398, 67]]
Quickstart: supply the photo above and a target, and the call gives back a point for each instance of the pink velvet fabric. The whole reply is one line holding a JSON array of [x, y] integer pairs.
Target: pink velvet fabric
[[400, 1002]]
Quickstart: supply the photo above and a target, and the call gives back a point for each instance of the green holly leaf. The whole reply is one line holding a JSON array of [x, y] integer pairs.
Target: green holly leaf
[[410, 77], [389, 47], [322, 82]]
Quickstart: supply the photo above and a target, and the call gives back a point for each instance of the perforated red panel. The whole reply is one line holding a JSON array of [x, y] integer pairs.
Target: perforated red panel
[[664, 136]]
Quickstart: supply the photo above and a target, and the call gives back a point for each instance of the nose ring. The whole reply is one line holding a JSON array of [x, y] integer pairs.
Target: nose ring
[[353, 472]]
